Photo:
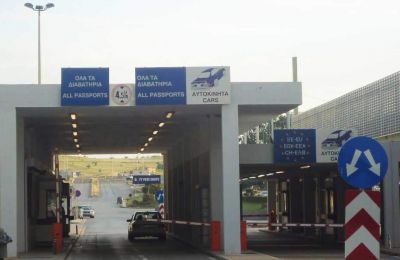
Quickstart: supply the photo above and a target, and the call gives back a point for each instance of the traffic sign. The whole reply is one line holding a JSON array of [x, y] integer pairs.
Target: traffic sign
[[160, 196], [362, 162], [77, 193]]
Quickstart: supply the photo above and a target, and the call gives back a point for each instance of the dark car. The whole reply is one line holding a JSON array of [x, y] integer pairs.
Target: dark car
[[146, 224], [208, 78], [336, 139]]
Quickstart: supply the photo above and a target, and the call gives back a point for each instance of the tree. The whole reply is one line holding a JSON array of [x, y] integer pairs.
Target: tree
[[265, 130]]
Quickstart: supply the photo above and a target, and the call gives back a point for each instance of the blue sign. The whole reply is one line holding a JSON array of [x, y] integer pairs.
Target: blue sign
[[159, 196], [294, 146], [84, 86], [362, 162], [160, 86], [77, 193], [146, 179]]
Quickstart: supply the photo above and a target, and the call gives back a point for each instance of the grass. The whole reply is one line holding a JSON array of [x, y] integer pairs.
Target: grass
[[93, 167], [254, 207]]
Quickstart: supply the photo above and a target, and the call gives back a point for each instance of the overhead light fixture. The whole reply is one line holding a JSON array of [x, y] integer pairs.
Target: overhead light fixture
[[74, 133], [169, 115], [161, 124], [279, 172], [75, 140], [252, 177], [141, 149], [245, 179], [146, 144], [74, 125], [261, 175], [305, 166], [150, 138], [73, 116], [77, 145], [270, 174], [155, 132]]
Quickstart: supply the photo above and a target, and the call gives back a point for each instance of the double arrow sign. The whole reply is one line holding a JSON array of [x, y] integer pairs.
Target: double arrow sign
[[375, 167]]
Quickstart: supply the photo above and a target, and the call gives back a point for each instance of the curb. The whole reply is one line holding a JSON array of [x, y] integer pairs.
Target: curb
[[200, 249], [72, 245], [389, 252]]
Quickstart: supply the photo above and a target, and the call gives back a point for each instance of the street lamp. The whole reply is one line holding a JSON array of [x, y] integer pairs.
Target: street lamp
[[38, 9]]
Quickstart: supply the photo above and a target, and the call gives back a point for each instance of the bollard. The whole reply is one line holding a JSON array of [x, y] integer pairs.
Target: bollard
[[243, 235], [215, 235], [58, 238], [76, 229]]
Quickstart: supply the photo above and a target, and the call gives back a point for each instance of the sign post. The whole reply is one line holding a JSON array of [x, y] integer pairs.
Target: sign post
[[362, 163], [160, 199]]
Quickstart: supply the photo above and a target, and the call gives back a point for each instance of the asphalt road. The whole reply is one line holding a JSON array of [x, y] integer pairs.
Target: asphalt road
[[287, 246], [105, 236]]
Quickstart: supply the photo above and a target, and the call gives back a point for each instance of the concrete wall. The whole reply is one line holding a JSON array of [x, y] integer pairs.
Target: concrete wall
[[256, 153]]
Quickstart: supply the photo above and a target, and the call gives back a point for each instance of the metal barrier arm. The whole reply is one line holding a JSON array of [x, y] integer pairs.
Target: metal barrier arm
[[179, 222]]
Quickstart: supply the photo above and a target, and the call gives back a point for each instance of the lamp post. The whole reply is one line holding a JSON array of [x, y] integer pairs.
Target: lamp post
[[38, 9]]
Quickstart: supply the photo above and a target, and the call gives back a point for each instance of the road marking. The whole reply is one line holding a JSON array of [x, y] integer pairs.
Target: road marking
[[142, 257]]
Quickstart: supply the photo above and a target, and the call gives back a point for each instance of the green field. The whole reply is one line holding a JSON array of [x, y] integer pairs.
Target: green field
[[254, 205], [90, 167]]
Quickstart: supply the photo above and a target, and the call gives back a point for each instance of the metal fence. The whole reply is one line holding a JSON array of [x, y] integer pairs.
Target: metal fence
[[373, 110]]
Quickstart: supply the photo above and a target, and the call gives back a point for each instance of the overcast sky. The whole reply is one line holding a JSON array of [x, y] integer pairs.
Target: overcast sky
[[341, 45]]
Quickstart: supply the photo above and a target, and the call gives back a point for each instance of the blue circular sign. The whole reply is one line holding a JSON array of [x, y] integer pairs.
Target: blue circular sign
[[77, 193], [362, 162], [159, 196]]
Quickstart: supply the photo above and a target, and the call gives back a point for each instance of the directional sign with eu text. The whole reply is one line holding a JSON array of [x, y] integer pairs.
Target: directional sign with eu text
[[294, 146], [362, 162]]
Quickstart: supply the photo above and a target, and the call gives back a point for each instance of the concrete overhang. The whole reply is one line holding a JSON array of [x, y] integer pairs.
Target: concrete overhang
[[118, 129]]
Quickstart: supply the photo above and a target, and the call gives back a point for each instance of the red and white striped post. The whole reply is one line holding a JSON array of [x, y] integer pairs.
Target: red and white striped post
[[362, 225], [161, 210]]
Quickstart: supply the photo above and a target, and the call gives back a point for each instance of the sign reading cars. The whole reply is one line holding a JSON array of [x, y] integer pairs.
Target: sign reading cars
[[84, 86], [182, 85]]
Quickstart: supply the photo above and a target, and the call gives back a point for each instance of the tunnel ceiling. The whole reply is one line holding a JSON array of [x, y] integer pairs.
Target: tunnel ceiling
[[126, 129]]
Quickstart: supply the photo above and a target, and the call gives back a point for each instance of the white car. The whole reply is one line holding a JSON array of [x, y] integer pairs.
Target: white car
[[86, 211], [264, 193]]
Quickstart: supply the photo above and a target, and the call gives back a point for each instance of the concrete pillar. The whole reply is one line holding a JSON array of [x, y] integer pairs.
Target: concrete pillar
[[225, 194], [308, 203], [22, 181], [295, 202], [8, 178], [272, 191], [257, 134], [390, 197]]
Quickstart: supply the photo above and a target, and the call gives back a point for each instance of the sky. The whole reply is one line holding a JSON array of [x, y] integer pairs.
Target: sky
[[341, 45]]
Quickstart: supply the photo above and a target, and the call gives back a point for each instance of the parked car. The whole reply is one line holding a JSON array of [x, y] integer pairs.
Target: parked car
[[208, 78], [139, 227], [263, 193], [336, 139], [86, 211]]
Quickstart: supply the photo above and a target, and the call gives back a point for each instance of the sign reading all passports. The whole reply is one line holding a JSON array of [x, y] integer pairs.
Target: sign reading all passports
[[181, 85], [294, 146], [84, 86]]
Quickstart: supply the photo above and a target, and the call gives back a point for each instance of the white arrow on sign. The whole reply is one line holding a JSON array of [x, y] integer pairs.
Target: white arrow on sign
[[351, 168], [375, 167]]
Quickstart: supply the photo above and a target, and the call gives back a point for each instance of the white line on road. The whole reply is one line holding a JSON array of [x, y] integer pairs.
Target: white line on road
[[142, 257]]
